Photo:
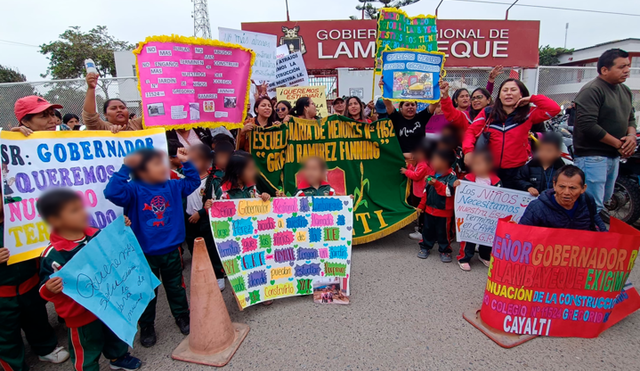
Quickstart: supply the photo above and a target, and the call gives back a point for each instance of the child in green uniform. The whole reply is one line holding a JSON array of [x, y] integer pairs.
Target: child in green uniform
[[239, 180], [314, 179]]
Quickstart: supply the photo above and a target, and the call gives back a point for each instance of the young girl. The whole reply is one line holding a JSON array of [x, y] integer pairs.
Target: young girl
[[196, 218], [418, 173], [482, 173], [239, 179], [314, 175]]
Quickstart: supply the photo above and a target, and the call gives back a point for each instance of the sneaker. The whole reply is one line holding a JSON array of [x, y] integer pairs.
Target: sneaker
[[423, 254], [183, 324], [126, 362], [148, 336], [415, 236], [58, 355], [445, 257], [485, 262], [464, 266], [221, 284]]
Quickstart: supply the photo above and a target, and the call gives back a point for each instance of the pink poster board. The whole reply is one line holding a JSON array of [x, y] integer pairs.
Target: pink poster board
[[190, 82]]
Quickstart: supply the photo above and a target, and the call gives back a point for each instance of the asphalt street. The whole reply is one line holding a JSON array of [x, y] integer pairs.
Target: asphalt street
[[405, 314]]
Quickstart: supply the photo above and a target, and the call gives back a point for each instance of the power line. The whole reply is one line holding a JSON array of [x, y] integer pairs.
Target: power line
[[550, 7], [18, 43]]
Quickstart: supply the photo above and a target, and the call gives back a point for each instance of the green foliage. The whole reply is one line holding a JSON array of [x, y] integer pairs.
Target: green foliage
[[10, 94], [9, 75], [548, 56]]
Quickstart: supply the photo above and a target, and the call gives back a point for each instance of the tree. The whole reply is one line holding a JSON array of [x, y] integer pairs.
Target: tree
[[548, 56], [9, 94], [371, 12], [66, 55], [9, 75]]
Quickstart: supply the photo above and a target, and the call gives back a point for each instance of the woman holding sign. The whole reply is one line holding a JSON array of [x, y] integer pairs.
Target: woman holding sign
[[504, 129], [115, 111], [264, 119]]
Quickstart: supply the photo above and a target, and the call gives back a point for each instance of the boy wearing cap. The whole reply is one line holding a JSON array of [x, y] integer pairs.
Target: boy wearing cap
[[338, 106], [21, 307]]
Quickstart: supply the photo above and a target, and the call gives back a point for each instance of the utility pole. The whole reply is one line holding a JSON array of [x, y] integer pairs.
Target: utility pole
[[566, 32], [286, 3], [201, 26]]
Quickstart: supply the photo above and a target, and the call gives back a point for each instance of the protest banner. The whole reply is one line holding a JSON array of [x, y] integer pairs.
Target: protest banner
[[395, 30], [290, 71], [412, 75], [560, 282], [363, 160], [478, 208], [264, 45], [80, 160], [190, 82], [316, 93], [279, 248], [111, 278]]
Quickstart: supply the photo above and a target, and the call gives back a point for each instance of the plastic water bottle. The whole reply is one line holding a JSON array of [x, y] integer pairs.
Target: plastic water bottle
[[90, 66]]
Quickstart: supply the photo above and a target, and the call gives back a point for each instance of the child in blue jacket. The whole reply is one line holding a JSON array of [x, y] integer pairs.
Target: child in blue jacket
[[154, 205]]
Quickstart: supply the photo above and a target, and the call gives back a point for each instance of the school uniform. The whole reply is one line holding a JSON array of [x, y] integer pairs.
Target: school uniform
[[22, 308], [88, 336], [306, 189], [226, 192], [437, 204], [468, 249], [157, 220]]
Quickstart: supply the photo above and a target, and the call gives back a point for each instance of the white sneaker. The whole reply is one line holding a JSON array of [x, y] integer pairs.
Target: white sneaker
[[415, 236], [58, 355], [221, 284]]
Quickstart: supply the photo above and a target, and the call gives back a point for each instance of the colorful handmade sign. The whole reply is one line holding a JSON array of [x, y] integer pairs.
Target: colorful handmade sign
[[478, 208], [111, 278], [363, 160], [190, 82], [290, 71], [278, 248], [412, 75], [397, 30], [80, 160], [560, 282], [316, 93], [264, 45]]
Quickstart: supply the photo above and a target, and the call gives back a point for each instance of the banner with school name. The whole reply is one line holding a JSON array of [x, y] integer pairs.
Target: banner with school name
[[478, 208], [560, 282], [363, 160], [281, 247], [79, 160]]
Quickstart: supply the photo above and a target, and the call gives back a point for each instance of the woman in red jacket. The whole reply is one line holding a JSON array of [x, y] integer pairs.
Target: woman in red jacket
[[508, 123]]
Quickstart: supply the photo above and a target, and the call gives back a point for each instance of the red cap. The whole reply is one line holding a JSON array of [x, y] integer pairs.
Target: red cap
[[31, 104]]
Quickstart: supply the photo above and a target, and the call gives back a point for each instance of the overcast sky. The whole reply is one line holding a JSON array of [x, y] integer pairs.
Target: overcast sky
[[35, 22]]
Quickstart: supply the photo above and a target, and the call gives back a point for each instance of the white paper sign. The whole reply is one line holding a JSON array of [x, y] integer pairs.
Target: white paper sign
[[478, 208], [264, 45], [281, 51], [290, 71]]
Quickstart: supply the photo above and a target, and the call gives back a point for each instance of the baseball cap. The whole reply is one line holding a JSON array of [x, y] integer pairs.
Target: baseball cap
[[31, 104], [338, 100], [380, 106]]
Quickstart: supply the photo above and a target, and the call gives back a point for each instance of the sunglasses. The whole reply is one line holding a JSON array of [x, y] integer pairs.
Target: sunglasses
[[281, 109], [477, 97]]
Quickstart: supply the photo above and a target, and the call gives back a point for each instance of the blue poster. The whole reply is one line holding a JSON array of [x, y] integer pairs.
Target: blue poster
[[412, 75], [111, 278]]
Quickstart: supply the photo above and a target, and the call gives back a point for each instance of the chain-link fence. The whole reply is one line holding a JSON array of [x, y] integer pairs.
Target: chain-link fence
[[559, 83]]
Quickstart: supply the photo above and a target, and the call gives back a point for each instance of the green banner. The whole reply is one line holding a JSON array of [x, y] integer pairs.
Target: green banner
[[363, 160]]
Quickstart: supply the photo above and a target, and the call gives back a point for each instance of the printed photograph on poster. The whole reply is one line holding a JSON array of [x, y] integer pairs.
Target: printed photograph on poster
[[412, 74], [209, 106], [194, 111], [230, 102], [155, 109], [329, 291], [412, 84]]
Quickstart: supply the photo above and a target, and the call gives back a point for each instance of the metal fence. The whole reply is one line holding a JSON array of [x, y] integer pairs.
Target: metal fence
[[559, 83]]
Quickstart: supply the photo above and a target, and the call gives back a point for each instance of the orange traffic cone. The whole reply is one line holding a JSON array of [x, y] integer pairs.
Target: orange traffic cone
[[213, 339]]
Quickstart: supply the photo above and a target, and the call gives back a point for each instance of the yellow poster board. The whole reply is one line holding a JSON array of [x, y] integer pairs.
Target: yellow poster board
[[316, 93]]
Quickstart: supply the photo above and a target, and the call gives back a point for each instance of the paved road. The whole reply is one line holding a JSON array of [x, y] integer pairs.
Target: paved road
[[405, 314]]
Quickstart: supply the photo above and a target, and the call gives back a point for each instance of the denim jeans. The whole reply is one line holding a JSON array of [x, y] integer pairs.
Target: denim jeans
[[601, 173]]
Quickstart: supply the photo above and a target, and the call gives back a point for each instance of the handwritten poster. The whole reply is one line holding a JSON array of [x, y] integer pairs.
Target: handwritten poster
[[478, 208], [279, 248], [397, 30], [190, 82], [412, 75], [290, 71], [560, 282], [316, 93], [81, 160], [111, 278], [264, 45]]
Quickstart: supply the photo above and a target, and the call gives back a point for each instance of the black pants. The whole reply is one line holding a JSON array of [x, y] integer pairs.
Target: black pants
[[415, 201], [468, 249], [203, 229], [508, 177], [436, 228]]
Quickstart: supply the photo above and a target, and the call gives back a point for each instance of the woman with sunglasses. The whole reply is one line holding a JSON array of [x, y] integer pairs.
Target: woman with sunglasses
[[283, 109], [264, 119], [462, 119]]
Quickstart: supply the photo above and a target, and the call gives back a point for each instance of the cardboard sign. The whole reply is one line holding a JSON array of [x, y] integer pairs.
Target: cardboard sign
[[316, 93], [290, 71], [264, 45], [279, 248], [560, 282], [111, 278], [412, 75], [190, 82], [80, 160], [478, 208]]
